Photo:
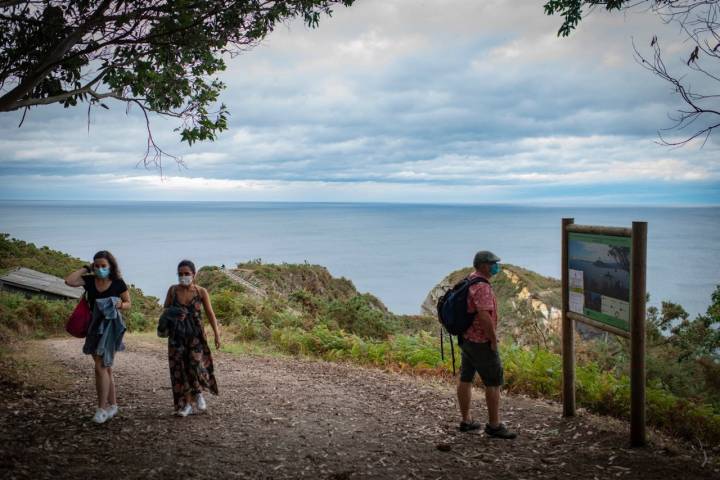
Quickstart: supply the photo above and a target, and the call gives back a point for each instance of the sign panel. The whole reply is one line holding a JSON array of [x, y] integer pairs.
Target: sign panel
[[599, 278]]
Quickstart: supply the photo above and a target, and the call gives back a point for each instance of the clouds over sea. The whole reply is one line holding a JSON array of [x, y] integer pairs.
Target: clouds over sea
[[400, 101]]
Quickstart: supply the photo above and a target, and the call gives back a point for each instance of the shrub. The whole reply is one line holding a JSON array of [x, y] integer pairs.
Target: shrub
[[137, 322], [17, 253], [359, 316], [35, 316]]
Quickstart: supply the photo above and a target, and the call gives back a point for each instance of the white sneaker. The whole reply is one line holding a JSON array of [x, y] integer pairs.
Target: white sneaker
[[112, 411], [185, 411], [201, 403], [101, 416]]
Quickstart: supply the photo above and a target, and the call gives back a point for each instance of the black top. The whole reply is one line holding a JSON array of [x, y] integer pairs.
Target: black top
[[116, 288]]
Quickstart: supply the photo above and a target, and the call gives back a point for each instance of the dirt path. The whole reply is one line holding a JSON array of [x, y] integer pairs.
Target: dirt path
[[290, 418]]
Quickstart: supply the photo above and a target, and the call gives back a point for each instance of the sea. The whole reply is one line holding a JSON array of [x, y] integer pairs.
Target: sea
[[397, 252]]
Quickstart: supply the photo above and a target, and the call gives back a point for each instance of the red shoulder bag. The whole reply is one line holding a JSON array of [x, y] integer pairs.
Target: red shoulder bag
[[79, 321]]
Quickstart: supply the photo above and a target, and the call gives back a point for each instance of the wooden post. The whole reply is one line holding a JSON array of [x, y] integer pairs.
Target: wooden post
[[568, 330], [637, 334]]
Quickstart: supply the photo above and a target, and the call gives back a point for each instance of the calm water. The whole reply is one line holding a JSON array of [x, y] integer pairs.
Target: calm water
[[397, 252]]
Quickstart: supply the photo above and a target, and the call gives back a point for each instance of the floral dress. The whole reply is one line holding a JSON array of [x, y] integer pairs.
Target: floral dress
[[191, 365]]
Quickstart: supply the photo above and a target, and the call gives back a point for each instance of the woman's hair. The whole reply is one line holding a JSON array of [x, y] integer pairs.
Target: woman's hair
[[186, 263], [114, 269]]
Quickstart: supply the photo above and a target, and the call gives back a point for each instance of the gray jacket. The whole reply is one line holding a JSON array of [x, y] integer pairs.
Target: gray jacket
[[106, 331]]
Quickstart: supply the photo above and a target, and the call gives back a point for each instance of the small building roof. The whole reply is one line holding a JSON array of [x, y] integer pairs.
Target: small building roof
[[32, 280]]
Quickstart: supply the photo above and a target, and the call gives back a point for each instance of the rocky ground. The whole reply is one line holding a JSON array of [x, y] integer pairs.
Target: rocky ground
[[281, 417]]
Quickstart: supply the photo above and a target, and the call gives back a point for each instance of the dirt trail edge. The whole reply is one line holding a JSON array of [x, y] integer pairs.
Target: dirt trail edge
[[291, 418]]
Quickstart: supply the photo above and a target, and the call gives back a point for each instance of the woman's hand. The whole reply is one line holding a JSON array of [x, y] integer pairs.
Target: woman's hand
[[75, 279], [119, 304], [218, 344]]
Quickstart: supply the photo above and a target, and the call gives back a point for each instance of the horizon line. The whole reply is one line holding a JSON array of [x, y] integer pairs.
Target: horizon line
[[408, 203]]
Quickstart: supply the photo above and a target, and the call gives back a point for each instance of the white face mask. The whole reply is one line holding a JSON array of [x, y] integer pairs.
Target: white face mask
[[185, 280]]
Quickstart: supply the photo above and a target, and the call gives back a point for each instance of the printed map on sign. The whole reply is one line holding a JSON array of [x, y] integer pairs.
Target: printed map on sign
[[599, 276]]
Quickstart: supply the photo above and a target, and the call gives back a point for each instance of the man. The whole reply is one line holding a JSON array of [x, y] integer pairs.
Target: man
[[480, 351]]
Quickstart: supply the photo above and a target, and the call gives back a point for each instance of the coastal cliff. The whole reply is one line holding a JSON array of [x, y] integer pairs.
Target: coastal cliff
[[528, 303]]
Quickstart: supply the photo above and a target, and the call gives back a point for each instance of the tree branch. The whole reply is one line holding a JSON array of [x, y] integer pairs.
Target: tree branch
[[153, 153], [31, 102], [53, 58]]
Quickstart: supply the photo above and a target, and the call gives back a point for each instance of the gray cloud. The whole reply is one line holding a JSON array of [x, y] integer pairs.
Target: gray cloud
[[408, 95]]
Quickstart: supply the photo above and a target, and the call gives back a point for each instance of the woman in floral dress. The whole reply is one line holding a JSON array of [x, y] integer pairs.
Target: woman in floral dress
[[191, 365]]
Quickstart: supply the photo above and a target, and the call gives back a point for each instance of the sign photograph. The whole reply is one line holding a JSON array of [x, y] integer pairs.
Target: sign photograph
[[599, 278]]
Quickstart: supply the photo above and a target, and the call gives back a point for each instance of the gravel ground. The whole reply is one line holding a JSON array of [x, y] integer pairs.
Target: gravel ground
[[295, 418]]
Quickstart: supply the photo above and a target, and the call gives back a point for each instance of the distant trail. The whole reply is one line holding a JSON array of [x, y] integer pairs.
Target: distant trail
[[288, 418], [238, 279]]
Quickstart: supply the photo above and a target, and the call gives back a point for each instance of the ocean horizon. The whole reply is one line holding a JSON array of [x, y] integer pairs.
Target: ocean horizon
[[396, 251]]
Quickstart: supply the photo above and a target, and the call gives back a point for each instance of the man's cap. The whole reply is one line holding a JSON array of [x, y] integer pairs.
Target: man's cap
[[485, 256]]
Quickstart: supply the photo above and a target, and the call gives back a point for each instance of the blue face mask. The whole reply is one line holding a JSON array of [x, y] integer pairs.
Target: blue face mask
[[102, 272], [494, 269]]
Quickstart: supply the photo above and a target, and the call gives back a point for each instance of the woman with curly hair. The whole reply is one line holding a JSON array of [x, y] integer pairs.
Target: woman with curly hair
[[107, 295]]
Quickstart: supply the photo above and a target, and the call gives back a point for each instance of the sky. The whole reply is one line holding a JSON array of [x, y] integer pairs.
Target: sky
[[418, 101]]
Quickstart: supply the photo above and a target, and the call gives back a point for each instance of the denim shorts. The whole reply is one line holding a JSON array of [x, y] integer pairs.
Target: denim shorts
[[480, 358]]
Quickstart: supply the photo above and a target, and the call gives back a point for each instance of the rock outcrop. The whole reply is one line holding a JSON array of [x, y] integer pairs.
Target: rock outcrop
[[261, 280], [528, 303]]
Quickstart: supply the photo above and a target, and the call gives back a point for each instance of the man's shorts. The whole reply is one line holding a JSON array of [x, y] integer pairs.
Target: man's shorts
[[480, 358]]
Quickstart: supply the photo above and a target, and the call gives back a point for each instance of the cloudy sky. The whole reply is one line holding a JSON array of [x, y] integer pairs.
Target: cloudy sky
[[400, 101]]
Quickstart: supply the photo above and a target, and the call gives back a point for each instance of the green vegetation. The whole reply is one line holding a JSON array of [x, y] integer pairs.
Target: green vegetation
[[16, 253], [36, 317], [253, 318], [539, 372], [286, 278], [305, 311], [214, 279]]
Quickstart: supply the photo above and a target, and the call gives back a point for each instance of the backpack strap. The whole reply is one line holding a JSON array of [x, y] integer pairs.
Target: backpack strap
[[442, 348], [475, 280], [452, 352]]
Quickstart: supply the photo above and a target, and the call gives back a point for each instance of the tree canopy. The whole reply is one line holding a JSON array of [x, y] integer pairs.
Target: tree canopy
[[159, 55], [693, 339], [699, 21]]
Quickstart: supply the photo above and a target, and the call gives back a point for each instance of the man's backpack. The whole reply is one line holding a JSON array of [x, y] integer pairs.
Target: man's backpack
[[453, 313]]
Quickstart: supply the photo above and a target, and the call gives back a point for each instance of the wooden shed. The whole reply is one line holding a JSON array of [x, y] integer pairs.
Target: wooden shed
[[31, 282]]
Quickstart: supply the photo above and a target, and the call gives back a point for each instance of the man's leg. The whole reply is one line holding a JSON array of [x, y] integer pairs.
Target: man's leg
[[492, 398], [464, 390], [492, 375], [464, 394]]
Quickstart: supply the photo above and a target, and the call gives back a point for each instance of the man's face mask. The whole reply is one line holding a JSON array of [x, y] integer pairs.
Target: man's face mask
[[494, 269]]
